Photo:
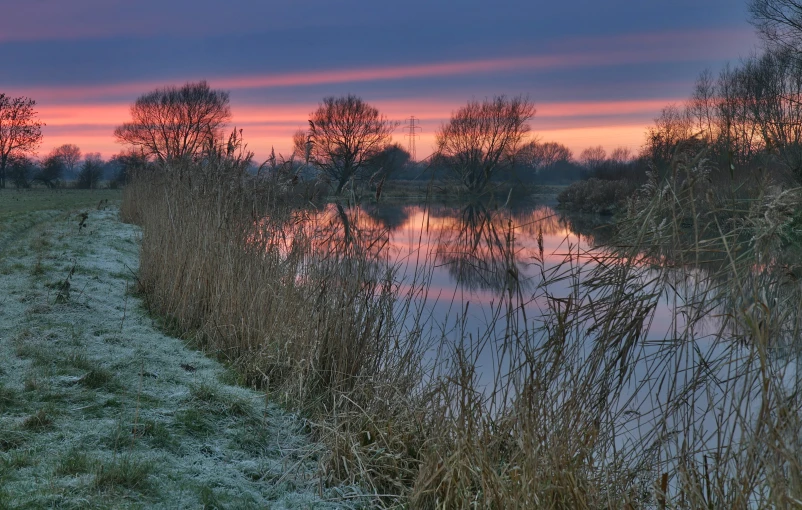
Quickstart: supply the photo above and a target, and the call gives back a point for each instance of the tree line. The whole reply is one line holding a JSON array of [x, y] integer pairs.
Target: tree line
[[748, 113], [347, 142]]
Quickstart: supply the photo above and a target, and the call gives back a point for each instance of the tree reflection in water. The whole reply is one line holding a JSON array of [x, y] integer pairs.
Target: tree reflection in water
[[479, 250]]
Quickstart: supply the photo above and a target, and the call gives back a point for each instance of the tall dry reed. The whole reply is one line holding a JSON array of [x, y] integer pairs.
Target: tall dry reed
[[588, 407]]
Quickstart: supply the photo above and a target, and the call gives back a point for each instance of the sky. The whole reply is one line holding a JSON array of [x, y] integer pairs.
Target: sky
[[598, 72]]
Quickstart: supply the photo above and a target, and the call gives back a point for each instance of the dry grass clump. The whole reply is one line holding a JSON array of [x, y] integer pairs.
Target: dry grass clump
[[588, 407]]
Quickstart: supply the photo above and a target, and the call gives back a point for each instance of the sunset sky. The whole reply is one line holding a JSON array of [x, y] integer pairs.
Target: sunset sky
[[598, 71]]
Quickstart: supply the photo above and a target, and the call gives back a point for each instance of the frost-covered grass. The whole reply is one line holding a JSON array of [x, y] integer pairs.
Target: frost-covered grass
[[99, 408]]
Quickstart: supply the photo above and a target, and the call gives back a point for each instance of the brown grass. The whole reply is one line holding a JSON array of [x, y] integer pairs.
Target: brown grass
[[586, 410]]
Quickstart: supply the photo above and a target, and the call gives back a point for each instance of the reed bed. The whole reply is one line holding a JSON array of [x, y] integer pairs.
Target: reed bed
[[588, 407]]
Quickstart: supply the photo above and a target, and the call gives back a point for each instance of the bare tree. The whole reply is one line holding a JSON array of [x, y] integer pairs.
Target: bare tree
[[621, 155], [345, 134], [20, 131], [778, 21], [69, 154], [703, 106], [672, 127], [482, 138], [176, 123], [593, 157], [770, 89], [543, 155], [740, 138]]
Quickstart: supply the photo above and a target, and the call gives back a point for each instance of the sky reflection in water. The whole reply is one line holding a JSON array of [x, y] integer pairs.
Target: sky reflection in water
[[487, 266]]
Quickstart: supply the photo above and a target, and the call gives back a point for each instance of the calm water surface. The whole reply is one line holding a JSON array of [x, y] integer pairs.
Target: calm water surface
[[485, 267]]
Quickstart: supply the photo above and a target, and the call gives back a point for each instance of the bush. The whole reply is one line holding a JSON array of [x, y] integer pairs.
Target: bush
[[596, 195], [91, 173]]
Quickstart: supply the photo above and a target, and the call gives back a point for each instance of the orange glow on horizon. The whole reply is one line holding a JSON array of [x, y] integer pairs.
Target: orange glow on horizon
[[90, 126]]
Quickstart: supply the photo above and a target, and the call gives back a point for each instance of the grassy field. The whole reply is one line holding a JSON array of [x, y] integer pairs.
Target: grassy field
[[99, 408], [38, 199]]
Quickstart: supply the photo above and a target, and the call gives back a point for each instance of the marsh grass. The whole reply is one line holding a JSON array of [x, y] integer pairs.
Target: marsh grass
[[591, 405]]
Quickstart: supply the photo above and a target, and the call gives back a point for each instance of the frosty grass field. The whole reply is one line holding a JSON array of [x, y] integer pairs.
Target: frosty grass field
[[98, 407]]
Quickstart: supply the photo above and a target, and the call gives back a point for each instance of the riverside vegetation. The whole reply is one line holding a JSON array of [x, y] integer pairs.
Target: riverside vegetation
[[591, 405]]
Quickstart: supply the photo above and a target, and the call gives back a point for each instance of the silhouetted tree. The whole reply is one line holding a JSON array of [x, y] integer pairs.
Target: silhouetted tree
[[51, 171], [345, 134], [621, 155], [176, 123], [778, 21], [703, 107], [672, 127], [70, 155], [20, 131], [390, 160], [20, 172], [593, 157], [483, 138], [771, 86], [543, 155], [127, 162], [91, 172]]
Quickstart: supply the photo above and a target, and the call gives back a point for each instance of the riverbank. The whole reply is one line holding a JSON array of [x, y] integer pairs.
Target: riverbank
[[98, 407]]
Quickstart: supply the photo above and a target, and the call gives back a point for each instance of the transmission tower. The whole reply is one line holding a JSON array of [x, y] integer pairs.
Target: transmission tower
[[412, 133]]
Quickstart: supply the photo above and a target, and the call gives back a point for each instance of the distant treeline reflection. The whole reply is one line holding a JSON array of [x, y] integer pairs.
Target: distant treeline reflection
[[482, 246]]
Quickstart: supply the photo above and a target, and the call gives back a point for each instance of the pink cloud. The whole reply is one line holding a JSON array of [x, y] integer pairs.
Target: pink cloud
[[572, 53]]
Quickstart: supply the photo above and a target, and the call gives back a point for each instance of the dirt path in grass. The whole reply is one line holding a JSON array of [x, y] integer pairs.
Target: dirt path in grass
[[98, 409]]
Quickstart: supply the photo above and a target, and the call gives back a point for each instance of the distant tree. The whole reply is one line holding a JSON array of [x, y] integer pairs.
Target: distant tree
[[389, 161], [20, 172], [671, 128], [543, 155], [386, 164], [91, 172], [176, 123], [301, 146], [621, 155], [125, 163], [70, 155], [345, 134], [703, 106], [779, 22], [51, 171], [762, 110], [593, 157], [20, 131], [482, 138]]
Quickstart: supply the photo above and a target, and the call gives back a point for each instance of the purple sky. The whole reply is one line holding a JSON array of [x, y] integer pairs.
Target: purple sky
[[599, 72]]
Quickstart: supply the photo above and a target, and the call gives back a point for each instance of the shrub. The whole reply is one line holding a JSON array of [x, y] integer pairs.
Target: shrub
[[596, 195]]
